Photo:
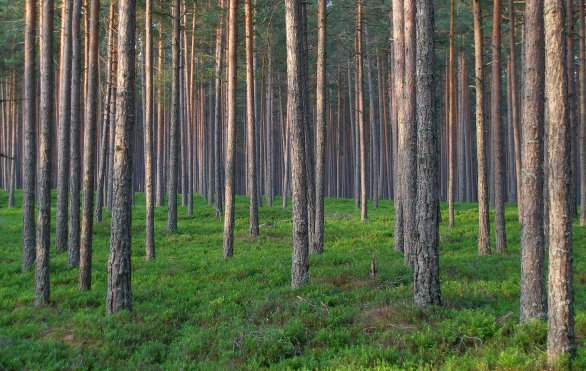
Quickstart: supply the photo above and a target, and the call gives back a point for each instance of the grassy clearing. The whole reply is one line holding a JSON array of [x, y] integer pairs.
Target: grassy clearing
[[193, 309]]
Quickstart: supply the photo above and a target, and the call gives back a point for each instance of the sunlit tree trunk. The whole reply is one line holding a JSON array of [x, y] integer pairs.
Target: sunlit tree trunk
[[74, 151], [30, 146], [119, 294], [46, 117], [91, 118], [148, 136], [228, 245]]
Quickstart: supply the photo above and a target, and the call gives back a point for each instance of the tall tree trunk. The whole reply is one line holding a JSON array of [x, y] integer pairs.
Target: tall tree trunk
[[119, 295], [175, 122], [74, 164], [160, 127], [515, 105], [30, 123], [533, 301], [582, 134], [148, 136], [426, 284], [374, 126], [228, 245], [360, 108], [451, 119], [318, 241], [497, 127], [399, 73], [91, 118], [483, 224], [42, 285], [296, 101], [64, 130], [408, 136], [250, 126], [217, 113], [106, 118], [560, 334]]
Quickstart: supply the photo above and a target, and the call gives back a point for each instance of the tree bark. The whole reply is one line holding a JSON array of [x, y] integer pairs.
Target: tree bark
[[30, 123], [399, 73], [560, 334], [250, 126], [451, 119], [91, 117], [296, 101], [217, 114], [148, 136], [119, 295], [360, 108], [64, 130], [497, 127], [483, 224], [74, 164], [515, 105], [318, 242], [533, 300], [42, 285], [228, 245], [582, 133], [426, 283], [175, 122]]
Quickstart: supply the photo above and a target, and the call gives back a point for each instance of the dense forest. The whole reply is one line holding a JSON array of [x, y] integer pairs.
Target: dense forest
[[339, 184]]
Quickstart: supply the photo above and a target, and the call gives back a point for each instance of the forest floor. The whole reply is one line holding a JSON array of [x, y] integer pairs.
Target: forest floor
[[194, 309]]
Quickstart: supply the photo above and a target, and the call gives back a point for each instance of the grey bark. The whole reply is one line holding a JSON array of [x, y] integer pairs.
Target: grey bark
[[119, 294], [174, 127]]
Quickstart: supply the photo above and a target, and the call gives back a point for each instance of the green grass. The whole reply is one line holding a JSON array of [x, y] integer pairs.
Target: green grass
[[194, 309]]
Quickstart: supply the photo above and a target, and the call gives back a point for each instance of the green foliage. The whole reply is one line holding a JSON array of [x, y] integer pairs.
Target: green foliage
[[194, 309]]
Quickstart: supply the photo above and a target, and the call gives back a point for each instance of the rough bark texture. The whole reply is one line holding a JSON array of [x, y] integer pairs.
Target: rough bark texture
[[42, 286], [250, 126], [148, 137], [64, 129], [582, 132], [296, 96], [483, 224], [398, 69], [497, 127], [228, 245], [533, 301], [408, 137], [30, 147], [160, 128], [217, 116], [90, 124], [560, 334], [74, 164], [451, 119], [360, 108], [174, 128], [515, 104], [106, 118], [318, 241], [119, 295], [426, 284]]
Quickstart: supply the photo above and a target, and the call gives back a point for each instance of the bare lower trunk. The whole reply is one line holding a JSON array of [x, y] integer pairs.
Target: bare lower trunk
[[64, 129], [119, 295], [74, 166], [483, 224], [148, 137], [29, 150], [426, 284], [451, 120], [91, 117], [361, 125], [296, 101], [228, 245], [42, 286], [174, 128], [318, 242], [560, 335], [250, 126], [497, 127]]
